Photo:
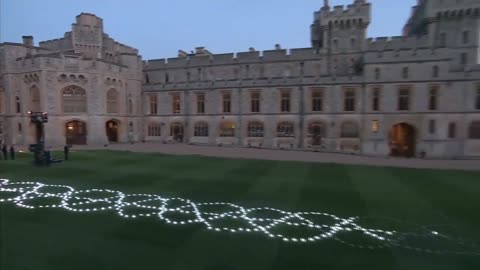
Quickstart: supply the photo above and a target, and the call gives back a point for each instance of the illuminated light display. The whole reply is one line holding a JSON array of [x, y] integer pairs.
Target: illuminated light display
[[274, 223]]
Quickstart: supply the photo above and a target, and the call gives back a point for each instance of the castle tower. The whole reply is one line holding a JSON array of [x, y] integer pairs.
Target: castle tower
[[343, 29], [87, 35]]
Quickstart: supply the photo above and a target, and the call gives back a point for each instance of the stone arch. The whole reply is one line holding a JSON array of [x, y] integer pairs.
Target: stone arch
[[112, 128], [75, 132]]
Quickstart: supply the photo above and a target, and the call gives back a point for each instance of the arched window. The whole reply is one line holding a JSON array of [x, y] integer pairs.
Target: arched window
[[317, 128], [201, 129], [255, 129], [35, 99], [154, 130], [130, 106], [285, 129], [349, 130], [227, 129], [474, 131], [74, 100], [112, 101]]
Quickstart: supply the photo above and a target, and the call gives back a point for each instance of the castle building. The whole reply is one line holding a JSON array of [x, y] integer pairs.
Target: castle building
[[412, 95]]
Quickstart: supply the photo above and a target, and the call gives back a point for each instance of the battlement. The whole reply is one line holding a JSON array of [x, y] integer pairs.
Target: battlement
[[361, 10], [233, 58], [396, 43]]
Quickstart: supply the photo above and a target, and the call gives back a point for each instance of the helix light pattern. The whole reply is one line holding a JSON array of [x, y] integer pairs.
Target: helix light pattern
[[289, 227]]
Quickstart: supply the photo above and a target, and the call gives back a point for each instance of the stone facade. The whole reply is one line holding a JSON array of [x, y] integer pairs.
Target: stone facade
[[85, 58], [414, 95]]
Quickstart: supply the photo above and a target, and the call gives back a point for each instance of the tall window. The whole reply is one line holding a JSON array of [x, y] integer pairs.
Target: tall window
[[442, 40], [35, 99], [17, 103], [255, 129], [349, 130], [432, 101], [227, 102], [431, 126], [463, 58], [20, 129], [255, 102], [317, 100], [349, 100], [112, 101], [200, 103], [376, 99], [201, 129], [74, 100], [176, 103], [285, 129], [285, 101], [154, 130], [477, 99], [130, 106], [404, 99], [405, 73], [452, 131], [1, 101], [167, 78], [227, 129], [474, 130], [153, 104], [435, 71], [465, 37], [377, 73]]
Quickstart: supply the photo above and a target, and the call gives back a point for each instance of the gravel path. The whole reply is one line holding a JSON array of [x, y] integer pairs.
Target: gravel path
[[303, 156]]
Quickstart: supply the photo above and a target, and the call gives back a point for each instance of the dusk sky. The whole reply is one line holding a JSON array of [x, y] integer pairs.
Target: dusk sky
[[159, 28]]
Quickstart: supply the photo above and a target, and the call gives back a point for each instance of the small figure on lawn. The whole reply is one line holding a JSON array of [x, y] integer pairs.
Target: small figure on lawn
[[4, 152], [12, 152], [66, 151]]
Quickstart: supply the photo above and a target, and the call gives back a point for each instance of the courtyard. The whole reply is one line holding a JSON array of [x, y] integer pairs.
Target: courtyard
[[227, 208]]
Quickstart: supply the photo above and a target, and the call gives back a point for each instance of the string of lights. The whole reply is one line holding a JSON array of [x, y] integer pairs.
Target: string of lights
[[289, 227]]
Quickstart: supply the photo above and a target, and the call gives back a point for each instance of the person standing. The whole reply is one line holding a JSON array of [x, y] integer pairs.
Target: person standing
[[12, 152], [66, 151], [4, 152]]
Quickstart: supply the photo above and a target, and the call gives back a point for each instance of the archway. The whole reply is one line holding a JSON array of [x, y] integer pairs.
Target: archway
[[402, 140], [76, 132], [111, 128], [176, 131]]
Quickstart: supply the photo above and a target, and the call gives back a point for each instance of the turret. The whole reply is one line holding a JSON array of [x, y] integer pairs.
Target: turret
[[341, 29]]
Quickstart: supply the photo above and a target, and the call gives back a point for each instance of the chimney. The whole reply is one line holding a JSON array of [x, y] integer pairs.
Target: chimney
[[28, 41], [200, 50], [182, 54], [278, 47], [251, 49]]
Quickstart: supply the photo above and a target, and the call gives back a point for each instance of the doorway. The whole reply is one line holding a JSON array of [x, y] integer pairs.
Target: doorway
[[76, 132], [176, 131], [112, 130], [402, 140]]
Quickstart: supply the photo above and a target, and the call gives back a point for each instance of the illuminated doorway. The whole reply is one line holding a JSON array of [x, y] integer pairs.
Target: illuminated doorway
[[402, 140], [76, 132]]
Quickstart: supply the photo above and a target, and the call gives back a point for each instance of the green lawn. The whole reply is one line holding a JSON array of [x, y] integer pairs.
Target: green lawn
[[404, 200]]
